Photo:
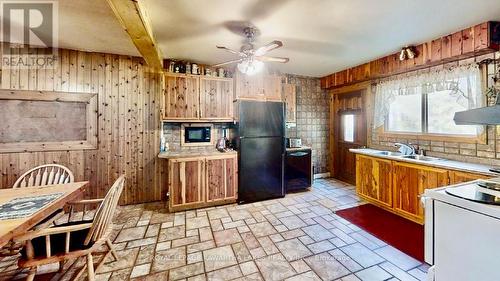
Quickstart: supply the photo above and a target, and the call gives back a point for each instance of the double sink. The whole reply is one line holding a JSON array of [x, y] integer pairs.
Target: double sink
[[413, 157]]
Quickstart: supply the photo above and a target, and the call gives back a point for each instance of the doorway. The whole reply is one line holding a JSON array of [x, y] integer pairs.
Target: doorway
[[349, 122]]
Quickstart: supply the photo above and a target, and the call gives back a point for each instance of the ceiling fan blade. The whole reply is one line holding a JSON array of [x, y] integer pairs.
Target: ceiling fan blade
[[266, 48], [273, 59], [227, 62], [231, 51]]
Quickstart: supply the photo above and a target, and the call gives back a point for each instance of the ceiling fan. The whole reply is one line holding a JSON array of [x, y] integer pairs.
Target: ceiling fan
[[252, 60]]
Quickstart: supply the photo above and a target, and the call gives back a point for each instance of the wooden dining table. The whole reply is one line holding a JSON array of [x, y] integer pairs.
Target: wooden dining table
[[10, 228]]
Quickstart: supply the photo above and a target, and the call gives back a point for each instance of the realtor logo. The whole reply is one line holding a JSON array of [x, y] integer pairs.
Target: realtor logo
[[25, 26]]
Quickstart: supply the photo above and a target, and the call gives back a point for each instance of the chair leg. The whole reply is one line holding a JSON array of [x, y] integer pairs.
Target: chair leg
[[61, 266], [112, 249], [31, 274], [90, 267]]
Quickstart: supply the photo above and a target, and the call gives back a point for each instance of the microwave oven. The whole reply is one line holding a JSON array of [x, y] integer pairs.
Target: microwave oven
[[197, 135]]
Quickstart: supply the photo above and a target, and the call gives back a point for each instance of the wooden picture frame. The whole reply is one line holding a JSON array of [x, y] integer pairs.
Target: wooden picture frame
[[91, 123]]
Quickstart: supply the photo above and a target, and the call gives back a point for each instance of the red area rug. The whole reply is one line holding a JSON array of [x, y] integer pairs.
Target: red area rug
[[396, 231]]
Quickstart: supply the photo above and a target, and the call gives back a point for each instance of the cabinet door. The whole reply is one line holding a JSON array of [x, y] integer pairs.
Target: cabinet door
[[249, 86], [374, 179], [186, 185], [216, 98], [410, 181], [221, 177], [290, 99], [458, 177], [272, 87], [181, 96]]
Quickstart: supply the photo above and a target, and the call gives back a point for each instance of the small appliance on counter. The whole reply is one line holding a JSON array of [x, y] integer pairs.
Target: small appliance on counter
[[223, 144], [298, 169], [293, 142]]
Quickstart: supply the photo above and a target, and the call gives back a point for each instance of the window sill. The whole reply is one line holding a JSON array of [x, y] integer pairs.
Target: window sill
[[435, 137]]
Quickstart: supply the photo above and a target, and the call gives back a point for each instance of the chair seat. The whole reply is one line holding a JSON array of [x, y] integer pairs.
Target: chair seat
[[58, 242]]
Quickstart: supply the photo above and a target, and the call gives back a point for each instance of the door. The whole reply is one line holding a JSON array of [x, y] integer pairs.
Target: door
[[374, 179], [221, 178], [186, 185], [181, 96], [216, 98], [349, 132], [261, 119], [260, 168], [410, 181]]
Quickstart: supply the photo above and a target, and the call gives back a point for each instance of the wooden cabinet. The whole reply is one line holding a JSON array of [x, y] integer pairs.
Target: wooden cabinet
[[221, 178], [410, 182], [197, 98], [186, 182], [290, 100], [216, 98], [260, 86], [198, 182], [374, 179], [458, 177], [181, 98]]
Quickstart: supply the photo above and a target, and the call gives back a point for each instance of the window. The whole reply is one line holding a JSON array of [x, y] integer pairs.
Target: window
[[425, 104], [405, 114], [428, 113], [348, 127]]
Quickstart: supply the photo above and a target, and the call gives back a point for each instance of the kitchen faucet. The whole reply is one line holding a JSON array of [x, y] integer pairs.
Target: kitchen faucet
[[405, 149]]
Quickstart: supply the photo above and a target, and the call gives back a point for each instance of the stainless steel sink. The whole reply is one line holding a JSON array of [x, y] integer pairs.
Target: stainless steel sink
[[420, 157], [388, 153]]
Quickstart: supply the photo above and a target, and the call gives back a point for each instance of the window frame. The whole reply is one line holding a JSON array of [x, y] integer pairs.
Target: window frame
[[425, 135]]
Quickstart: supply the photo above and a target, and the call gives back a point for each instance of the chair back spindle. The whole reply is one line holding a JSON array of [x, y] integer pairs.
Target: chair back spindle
[[45, 175]]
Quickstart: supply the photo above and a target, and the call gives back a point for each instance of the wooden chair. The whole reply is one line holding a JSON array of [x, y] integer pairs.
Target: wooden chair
[[73, 240], [39, 176], [45, 175]]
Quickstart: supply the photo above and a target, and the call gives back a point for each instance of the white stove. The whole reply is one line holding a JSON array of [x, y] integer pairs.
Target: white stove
[[462, 231]]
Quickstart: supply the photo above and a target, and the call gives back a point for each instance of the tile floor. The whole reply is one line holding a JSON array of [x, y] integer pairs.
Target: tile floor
[[298, 237]]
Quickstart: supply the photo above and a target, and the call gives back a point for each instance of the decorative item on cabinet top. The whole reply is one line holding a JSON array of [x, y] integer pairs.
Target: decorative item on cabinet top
[[195, 98], [182, 67]]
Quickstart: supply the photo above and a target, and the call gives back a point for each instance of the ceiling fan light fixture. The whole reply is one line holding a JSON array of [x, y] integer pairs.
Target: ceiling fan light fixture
[[250, 67]]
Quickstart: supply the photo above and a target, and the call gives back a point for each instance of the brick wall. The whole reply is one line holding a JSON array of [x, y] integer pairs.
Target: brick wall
[[172, 134], [313, 109], [488, 153]]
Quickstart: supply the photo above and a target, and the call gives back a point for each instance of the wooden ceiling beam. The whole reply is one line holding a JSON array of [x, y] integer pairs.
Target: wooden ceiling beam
[[135, 21]]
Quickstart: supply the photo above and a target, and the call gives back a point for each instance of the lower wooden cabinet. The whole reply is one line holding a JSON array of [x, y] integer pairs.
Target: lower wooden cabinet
[[410, 182], [397, 186], [202, 181], [374, 179], [458, 177]]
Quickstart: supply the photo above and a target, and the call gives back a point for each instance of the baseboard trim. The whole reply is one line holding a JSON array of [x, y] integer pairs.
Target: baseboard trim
[[322, 175]]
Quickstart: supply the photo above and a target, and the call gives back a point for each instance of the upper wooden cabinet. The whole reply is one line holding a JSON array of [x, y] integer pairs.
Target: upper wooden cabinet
[[374, 179], [197, 98], [410, 182], [260, 86], [290, 99], [181, 96], [216, 98]]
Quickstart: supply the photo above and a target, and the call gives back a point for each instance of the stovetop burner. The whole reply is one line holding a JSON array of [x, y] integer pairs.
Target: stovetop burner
[[475, 192]]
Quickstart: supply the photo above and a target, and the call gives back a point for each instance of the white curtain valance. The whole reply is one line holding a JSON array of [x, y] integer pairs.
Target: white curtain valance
[[463, 82]]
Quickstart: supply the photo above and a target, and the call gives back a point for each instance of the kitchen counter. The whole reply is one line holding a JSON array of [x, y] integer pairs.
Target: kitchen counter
[[291, 149], [439, 163], [189, 154]]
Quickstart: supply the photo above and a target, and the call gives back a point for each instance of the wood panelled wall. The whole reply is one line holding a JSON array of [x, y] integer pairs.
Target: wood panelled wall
[[129, 101], [477, 40]]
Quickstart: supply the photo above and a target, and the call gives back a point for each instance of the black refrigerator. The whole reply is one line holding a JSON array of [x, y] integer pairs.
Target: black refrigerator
[[260, 140]]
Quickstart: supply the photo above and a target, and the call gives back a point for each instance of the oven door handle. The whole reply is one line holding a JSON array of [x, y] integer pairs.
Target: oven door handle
[[298, 154]]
